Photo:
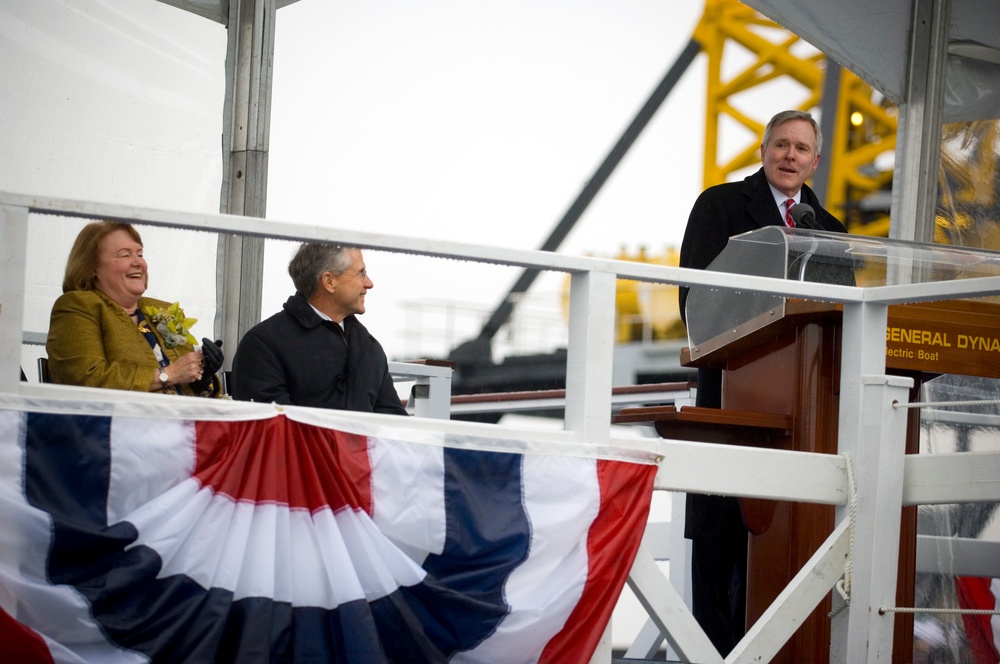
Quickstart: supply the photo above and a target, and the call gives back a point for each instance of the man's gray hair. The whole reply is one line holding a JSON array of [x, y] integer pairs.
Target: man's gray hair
[[784, 116], [312, 260]]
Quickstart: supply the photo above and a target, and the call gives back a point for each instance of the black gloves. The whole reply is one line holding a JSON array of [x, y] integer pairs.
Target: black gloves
[[212, 355]]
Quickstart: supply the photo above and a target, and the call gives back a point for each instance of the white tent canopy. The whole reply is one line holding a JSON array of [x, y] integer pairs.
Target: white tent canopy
[[872, 39], [937, 60]]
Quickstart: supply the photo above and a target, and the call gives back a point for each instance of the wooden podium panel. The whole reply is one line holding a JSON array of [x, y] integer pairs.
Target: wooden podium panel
[[786, 362], [796, 371], [954, 337], [949, 337]]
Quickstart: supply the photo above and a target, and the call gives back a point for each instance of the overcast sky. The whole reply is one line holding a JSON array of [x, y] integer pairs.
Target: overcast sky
[[478, 122], [473, 122]]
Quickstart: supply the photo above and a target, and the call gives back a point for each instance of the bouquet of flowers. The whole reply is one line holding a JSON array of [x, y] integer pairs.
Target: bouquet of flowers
[[172, 325]]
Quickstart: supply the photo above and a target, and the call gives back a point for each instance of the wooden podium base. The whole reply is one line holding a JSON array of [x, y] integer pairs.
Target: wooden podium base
[[803, 368], [781, 389]]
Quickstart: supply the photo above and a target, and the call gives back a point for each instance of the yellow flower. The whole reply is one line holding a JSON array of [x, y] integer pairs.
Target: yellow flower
[[172, 325]]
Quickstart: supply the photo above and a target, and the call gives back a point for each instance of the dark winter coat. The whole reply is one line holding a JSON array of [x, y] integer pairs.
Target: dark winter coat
[[295, 357], [721, 212], [732, 208]]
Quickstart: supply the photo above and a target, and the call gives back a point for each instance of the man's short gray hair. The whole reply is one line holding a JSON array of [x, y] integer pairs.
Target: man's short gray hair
[[784, 116], [312, 260]]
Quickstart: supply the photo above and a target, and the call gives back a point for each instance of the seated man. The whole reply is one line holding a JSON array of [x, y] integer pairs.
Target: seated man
[[315, 352]]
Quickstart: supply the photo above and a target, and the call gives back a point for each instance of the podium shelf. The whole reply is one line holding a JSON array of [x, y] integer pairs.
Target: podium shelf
[[712, 425]]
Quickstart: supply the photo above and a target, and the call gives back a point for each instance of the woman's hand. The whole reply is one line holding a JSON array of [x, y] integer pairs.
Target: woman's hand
[[186, 369]]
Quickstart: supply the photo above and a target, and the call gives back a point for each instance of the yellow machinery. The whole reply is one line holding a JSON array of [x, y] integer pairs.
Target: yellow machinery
[[750, 57], [644, 311]]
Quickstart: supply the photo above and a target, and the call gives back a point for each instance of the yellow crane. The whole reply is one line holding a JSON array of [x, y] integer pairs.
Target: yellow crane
[[750, 57]]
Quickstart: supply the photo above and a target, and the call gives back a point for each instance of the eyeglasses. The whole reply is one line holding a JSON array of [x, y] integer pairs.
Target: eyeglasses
[[362, 273]]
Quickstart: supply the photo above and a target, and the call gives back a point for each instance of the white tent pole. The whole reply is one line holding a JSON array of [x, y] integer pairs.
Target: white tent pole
[[13, 258], [249, 60], [918, 151]]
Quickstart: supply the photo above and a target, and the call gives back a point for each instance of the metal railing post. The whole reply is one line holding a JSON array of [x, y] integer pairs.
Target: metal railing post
[[589, 359], [13, 253]]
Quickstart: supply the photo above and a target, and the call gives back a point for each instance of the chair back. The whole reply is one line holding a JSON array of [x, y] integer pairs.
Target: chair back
[[43, 370]]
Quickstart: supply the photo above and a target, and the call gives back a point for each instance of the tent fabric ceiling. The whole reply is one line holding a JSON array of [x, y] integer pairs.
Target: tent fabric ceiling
[[871, 39]]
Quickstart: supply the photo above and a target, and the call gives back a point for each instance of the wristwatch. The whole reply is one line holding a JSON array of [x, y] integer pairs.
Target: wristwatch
[[164, 377]]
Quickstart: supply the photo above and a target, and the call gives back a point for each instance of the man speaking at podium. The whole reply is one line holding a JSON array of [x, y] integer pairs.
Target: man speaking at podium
[[789, 154]]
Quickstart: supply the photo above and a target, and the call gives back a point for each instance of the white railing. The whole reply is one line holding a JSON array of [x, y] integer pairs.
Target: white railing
[[432, 328], [870, 441], [431, 392]]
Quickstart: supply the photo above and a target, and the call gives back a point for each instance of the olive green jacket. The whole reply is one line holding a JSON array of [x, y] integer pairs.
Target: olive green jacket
[[93, 342]]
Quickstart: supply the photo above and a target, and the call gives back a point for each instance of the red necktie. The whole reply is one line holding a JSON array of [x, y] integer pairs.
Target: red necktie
[[789, 204]]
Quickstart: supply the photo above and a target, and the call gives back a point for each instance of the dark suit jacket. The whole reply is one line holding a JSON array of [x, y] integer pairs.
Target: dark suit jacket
[[719, 213], [733, 208]]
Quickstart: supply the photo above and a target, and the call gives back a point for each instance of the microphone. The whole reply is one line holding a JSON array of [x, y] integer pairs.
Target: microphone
[[805, 217]]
